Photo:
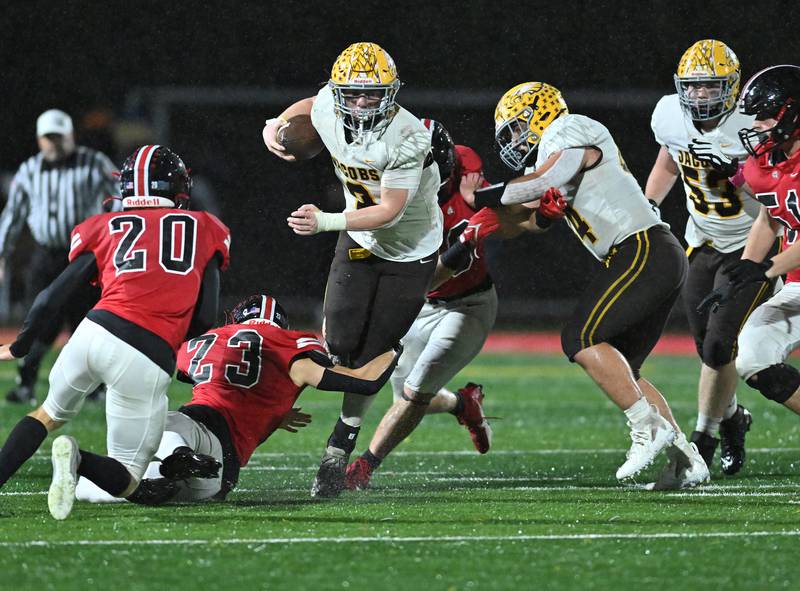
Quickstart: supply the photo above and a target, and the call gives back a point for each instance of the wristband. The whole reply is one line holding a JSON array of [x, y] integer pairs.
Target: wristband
[[456, 258], [489, 196], [275, 119], [330, 222]]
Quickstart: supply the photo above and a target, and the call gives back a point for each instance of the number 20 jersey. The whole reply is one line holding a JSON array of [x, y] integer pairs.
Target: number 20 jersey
[[151, 262], [242, 372], [395, 158], [718, 212]]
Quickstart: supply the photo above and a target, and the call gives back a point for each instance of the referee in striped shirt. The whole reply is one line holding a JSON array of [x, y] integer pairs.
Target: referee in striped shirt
[[52, 192]]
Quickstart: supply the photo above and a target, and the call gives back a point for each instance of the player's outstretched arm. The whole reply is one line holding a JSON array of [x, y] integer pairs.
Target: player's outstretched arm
[[662, 177], [207, 307], [273, 126], [366, 380], [50, 301], [556, 171]]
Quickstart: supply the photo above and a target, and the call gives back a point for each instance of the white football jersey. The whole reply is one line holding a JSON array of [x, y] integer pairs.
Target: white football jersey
[[394, 158], [606, 204], [719, 213]]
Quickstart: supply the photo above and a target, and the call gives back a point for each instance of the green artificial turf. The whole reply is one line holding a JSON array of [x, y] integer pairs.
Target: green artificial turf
[[541, 510]]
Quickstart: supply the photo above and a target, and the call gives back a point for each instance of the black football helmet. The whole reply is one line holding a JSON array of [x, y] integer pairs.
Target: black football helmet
[[259, 307], [443, 152], [155, 176], [772, 93]]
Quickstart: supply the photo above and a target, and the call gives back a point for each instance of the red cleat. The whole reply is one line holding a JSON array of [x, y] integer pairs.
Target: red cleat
[[358, 475], [472, 417]]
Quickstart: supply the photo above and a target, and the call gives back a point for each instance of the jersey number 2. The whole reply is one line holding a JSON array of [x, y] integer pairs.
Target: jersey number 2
[[177, 244]]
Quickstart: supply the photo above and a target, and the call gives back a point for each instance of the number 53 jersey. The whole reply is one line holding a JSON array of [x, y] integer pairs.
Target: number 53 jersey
[[397, 157], [719, 213], [151, 262]]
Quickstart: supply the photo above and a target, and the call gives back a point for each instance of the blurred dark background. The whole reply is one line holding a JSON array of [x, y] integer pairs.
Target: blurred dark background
[[203, 80]]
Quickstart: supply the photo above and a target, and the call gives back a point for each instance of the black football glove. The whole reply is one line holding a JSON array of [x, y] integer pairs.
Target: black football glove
[[719, 297], [745, 271], [708, 153]]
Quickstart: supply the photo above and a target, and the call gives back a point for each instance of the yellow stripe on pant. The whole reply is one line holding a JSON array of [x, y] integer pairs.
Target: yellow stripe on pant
[[587, 343]]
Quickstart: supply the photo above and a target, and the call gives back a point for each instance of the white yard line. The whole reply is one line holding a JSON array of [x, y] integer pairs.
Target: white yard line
[[732, 490], [409, 539]]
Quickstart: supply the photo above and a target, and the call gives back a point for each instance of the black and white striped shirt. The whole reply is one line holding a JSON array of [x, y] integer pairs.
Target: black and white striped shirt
[[54, 197]]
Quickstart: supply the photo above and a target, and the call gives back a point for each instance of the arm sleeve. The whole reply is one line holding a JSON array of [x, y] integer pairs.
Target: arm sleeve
[[333, 381], [205, 311], [50, 301], [566, 166], [14, 214]]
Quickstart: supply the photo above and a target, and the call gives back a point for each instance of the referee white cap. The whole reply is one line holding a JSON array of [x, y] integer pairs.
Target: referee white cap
[[53, 121]]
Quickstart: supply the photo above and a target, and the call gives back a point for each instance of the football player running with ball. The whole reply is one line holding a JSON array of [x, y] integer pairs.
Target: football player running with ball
[[697, 129], [247, 375], [158, 267], [390, 230], [454, 322], [773, 331], [622, 311]]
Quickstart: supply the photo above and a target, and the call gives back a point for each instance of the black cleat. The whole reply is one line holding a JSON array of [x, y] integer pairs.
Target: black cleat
[[732, 432], [154, 491], [184, 463], [329, 481], [22, 395], [706, 445]]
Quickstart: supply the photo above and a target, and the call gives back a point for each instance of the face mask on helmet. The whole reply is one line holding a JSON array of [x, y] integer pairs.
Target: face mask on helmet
[[772, 93], [364, 84], [259, 308], [707, 80], [154, 176], [522, 115]]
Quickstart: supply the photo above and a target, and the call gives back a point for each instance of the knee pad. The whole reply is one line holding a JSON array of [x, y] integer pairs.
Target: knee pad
[[777, 382], [716, 354]]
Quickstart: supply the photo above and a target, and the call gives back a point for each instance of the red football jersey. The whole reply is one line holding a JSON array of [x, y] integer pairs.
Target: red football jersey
[[151, 264], [242, 371], [456, 216], [776, 187]]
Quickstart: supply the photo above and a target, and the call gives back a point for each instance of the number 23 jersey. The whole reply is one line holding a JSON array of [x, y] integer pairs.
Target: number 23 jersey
[[718, 212], [151, 262], [242, 372], [396, 158]]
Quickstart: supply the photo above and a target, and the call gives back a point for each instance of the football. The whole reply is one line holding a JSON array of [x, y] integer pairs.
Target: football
[[300, 138]]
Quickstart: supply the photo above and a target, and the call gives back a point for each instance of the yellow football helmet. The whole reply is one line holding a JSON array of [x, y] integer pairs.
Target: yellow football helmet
[[364, 83], [521, 116], [708, 79]]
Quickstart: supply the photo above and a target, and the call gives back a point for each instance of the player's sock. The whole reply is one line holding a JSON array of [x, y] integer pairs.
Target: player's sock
[[371, 459], [343, 436], [23, 441], [459, 407], [105, 472], [638, 412], [708, 425], [730, 410]]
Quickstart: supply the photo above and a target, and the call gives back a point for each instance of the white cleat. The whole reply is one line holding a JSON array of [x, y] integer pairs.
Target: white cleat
[[682, 471], [61, 496], [648, 439]]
